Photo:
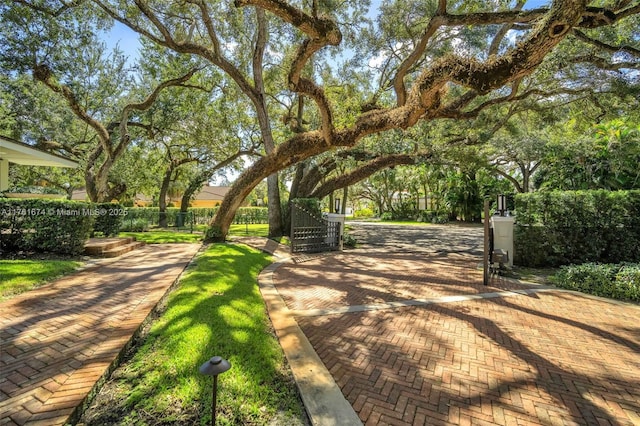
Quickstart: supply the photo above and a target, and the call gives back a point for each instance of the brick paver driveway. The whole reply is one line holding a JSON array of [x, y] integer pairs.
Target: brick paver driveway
[[58, 340], [415, 338]]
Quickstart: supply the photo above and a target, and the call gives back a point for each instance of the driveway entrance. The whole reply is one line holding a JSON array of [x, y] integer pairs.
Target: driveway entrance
[[411, 336]]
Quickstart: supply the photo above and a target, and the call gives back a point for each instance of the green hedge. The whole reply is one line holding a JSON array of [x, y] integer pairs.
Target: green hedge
[[618, 281], [195, 215], [251, 215], [45, 225], [135, 225], [574, 227], [109, 219]]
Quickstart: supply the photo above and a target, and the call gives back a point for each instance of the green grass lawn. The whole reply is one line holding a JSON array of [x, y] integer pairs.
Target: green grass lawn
[[256, 230], [18, 276], [162, 236], [216, 310]]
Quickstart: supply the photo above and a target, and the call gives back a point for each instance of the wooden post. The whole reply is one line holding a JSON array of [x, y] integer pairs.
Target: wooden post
[[486, 244]]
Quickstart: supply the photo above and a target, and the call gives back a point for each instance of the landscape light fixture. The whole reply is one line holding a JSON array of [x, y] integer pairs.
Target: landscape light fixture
[[502, 204], [216, 365]]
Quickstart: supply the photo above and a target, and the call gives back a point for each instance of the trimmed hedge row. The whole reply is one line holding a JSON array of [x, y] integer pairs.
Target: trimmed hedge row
[[618, 281], [45, 225], [197, 215], [109, 219], [564, 227]]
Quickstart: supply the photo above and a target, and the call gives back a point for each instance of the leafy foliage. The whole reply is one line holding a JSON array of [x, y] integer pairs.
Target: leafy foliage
[[312, 205], [431, 216], [605, 156], [618, 281], [349, 240], [109, 219], [195, 215], [135, 225], [556, 228], [363, 213], [315, 78], [45, 225]]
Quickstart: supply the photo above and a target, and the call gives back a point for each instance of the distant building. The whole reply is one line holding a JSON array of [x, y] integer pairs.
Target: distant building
[[79, 195], [209, 196]]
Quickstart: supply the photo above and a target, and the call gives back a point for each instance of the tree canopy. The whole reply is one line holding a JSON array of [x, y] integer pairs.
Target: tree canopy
[[323, 76]]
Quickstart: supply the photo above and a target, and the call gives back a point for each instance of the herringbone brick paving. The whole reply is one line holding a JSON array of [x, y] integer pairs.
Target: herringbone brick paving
[[361, 279], [58, 340], [550, 358]]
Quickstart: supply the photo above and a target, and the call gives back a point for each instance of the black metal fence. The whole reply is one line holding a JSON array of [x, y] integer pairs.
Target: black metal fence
[[138, 219]]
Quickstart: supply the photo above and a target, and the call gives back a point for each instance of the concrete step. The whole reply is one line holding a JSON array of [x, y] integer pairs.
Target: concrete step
[[120, 250], [110, 247]]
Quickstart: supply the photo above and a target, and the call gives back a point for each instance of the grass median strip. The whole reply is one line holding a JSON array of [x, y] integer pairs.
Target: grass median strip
[[216, 310]]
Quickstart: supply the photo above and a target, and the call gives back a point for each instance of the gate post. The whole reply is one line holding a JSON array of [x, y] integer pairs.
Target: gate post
[[485, 263], [340, 219], [503, 235]]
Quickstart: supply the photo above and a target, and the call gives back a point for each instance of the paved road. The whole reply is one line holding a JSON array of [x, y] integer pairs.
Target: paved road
[[411, 336], [429, 239]]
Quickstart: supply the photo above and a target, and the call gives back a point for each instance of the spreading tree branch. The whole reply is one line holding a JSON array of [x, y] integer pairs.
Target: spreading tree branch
[[366, 170], [604, 46]]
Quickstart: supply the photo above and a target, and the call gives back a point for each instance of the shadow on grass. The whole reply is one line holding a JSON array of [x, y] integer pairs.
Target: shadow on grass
[[216, 310], [18, 276]]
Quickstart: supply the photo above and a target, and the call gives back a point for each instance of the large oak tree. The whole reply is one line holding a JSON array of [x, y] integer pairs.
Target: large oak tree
[[434, 60]]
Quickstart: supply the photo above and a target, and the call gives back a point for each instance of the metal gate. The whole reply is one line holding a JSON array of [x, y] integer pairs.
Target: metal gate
[[311, 234]]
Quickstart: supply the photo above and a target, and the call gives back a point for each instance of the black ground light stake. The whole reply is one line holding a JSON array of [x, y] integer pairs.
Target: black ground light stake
[[213, 367]]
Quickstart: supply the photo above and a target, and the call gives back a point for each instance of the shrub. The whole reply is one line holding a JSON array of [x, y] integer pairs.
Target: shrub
[[134, 225], [628, 282], [251, 215], [386, 216], [213, 233], [404, 210], [108, 218], [431, 216], [441, 218], [57, 226], [197, 215], [349, 241], [363, 213], [203, 215], [575, 227], [30, 189], [618, 281]]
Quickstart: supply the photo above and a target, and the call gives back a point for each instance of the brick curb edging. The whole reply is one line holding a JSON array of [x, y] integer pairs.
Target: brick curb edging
[[323, 400]]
